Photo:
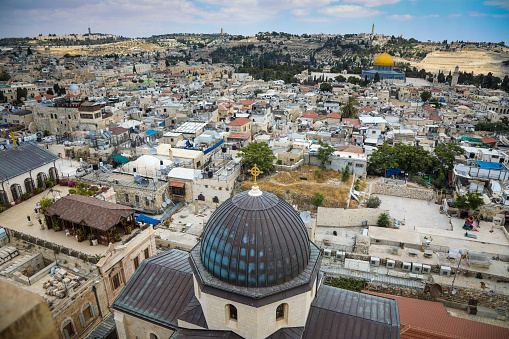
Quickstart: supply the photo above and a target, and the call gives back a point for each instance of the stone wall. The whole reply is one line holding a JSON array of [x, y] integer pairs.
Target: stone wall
[[402, 191], [462, 296]]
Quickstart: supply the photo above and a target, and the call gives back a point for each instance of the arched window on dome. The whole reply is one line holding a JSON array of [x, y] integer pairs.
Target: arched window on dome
[[231, 312], [282, 312], [153, 336]]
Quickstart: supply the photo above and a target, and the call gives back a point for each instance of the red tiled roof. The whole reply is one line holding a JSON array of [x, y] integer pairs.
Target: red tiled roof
[[246, 102], [310, 115], [429, 319], [488, 141], [435, 117], [243, 136], [118, 130], [353, 122], [350, 149], [239, 122], [367, 109], [428, 108], [334, 115]]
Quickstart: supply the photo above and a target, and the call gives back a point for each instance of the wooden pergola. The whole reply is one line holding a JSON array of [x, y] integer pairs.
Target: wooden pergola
[[83, 216]]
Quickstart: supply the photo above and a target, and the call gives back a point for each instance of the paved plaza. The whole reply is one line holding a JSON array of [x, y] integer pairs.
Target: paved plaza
[[15, 218]]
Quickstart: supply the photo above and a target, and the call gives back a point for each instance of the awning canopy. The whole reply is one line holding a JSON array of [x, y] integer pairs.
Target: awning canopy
[[146, 219], [177, 184], [120, 159]]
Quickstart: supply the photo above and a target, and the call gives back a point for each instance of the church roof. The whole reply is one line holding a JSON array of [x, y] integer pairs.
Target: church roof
[[160, 289], [338, 313], [255, 241], [19, 160]]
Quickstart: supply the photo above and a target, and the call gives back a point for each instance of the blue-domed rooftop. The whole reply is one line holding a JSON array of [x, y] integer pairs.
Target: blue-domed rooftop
[[255, 239]]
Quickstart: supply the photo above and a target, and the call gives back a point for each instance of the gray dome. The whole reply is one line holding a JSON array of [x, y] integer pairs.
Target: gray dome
[[74, 87], [255, 241]]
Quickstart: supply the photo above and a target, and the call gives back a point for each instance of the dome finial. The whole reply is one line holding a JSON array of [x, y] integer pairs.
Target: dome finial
[[255, 190]]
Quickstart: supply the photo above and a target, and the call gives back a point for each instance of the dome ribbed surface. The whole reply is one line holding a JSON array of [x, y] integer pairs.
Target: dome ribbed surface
[[384, 59], [255, 241]]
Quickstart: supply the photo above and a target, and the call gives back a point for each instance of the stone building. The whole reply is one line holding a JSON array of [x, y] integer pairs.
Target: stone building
[[121, 261], [255, 274], [23, 169], [56, 119]]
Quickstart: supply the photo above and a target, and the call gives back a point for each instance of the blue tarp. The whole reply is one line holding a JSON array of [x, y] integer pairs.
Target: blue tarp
[[490, 165], [208, 150], [146, 219], [392, 171], [151, 132]]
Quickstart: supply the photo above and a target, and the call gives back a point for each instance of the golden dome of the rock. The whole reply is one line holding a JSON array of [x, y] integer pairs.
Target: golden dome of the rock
[[384, 59]]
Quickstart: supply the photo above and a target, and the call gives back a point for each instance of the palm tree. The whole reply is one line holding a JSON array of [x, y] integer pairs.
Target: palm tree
[[350, 108]]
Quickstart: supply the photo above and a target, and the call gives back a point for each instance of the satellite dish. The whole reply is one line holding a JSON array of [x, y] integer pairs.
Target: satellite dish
[[168, 201], [164, 204], [453, 291]]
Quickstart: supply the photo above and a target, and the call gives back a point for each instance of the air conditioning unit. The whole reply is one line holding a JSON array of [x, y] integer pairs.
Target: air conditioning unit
[[416, 267], [445, 271], [327, 252], [406, 266], [426, 269], [340, 255], [390, 263], [375, 261]]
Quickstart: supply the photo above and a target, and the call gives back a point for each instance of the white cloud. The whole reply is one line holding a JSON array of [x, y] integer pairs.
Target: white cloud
[[454, 15], [501, 15], [473, 13], [402, 17], [498, 3], [349, 11], [300, 11], [430, 16], [373, 3]]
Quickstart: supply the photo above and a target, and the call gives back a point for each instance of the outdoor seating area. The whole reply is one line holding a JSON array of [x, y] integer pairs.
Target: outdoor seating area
[[88, 218]]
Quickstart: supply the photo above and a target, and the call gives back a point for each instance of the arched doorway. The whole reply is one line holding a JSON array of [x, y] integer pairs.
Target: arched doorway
[[53, 174], [41, 180], [4, 200], [16, 192], [29, 185]]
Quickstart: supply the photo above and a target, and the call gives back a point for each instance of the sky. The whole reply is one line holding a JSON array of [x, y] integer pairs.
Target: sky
[[435, 20]]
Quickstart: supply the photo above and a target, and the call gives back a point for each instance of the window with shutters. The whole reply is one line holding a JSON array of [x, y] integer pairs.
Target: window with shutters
[[87, 314], [136, 263], [116, 281], [146, 253], [68, 329]]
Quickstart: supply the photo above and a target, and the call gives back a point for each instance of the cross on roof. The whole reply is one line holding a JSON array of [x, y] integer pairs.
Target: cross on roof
[[255, 171]]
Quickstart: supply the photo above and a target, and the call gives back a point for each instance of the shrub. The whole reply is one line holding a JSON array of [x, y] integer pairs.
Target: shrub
[[318, 199], [45, 203], [318, 174], [349, 284], [346, 174], [373, 202], [383, 220]]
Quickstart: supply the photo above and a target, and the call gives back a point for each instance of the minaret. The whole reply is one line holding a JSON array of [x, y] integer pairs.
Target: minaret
[[373, 29], [455, 76]]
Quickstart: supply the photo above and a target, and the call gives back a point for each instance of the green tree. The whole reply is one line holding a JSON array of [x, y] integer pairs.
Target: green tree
[[425, 96], [340, 78], [377, 77], [383, 220], [50, 91], [470, 201], [5, 76], [345, 175], [324, 153], [134, 69], [258, 91], [29, 51], [2, 97], [353, 80], [350, 108], [373, 202], [318, 199], [446, 154], [326, 87], [45, 203], [258, 153]]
